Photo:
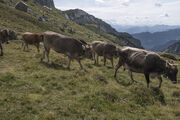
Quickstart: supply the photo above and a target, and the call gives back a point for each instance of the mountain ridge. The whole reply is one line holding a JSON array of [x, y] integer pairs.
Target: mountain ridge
[[81, 17]]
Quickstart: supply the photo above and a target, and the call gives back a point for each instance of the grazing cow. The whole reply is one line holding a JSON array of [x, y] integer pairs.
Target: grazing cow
[[106, 50], [32, 39], [146, 62], [4, 37], [73, 48]]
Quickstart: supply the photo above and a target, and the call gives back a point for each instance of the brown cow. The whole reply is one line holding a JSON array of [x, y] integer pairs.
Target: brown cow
[[32, 39], [4, 37], [106, 50], [73, 48], [146, 62]]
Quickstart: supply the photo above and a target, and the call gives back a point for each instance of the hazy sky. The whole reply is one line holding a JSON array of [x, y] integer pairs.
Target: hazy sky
[[128, 12]]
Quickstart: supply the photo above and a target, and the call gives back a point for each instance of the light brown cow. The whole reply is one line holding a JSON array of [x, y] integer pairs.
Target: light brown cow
[[4, 37], [32, 39], [106, 50], [71, 47]]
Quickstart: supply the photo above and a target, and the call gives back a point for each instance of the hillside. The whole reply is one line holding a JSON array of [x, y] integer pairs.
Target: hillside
[[149, 40], [83, 18], [31, 89], [174, 48], [163, 47], [21, 21]]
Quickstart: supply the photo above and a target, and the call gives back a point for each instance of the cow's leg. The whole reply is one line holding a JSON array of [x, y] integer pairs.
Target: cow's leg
[[112, 63], [147, 79], [37, 45], [47, 54], [160, 81], [104, 60], [1, 49], [69, 63], [79, 61], [43, 55], [116, 69], [24, 46], [97, 59], [94, 57]]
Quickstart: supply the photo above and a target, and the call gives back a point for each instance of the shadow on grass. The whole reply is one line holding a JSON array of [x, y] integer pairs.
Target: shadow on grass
[[123, 83], [54, 66]]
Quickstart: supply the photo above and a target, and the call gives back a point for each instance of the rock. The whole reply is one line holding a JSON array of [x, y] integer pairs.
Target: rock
[[21, 6], [43, 18], [48, 3]]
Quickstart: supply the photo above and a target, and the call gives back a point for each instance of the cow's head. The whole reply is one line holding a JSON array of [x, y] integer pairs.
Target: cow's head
[[4, 36], [87, 51], [171, 71]]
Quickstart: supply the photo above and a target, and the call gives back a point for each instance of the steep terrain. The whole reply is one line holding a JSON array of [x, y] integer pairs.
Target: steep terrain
[[85, 19], [174, 48], [149, 40]]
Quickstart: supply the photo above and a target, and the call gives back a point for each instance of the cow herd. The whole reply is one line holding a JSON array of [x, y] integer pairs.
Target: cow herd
[[133, 59]]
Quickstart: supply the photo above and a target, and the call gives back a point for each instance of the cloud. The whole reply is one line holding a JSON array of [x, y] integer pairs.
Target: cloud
[[158, 4], [166, 15], [100, 1]]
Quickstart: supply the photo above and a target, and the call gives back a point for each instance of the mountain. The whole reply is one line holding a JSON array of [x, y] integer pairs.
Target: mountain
[[174, 48], [163, 47], [48, 3], [150, 40], [83, 18], [139, 29]]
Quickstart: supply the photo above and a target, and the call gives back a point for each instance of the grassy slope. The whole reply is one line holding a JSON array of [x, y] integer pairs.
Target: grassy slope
[[30, 89], [21, 22]]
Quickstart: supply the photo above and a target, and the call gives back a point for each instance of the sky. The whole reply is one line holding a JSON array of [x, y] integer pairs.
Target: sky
[[128, 12]]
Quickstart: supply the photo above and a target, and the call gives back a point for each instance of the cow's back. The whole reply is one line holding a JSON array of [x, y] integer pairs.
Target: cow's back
[[63, 44], [141, 60], [32, 38]]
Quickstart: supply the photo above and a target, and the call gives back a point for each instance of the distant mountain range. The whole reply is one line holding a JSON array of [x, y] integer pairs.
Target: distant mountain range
[[150, 40], [140, 29], [89, 21]]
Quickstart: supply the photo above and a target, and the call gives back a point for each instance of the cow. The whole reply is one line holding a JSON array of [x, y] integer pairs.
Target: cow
[[71, 47], [146, 62], [106, 50], [32, 39], [4, 37]]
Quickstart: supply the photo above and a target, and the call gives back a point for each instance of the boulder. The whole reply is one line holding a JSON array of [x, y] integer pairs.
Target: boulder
[[21, 6]]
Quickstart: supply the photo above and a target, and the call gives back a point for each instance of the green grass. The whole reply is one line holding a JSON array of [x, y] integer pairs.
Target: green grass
[[32, 90]]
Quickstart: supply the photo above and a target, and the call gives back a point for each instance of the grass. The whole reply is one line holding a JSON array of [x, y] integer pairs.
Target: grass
[[31, 90]]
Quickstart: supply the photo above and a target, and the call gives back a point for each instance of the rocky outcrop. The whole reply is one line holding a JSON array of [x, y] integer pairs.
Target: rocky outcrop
[[21, 6], [82, 18], [48, 3]]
